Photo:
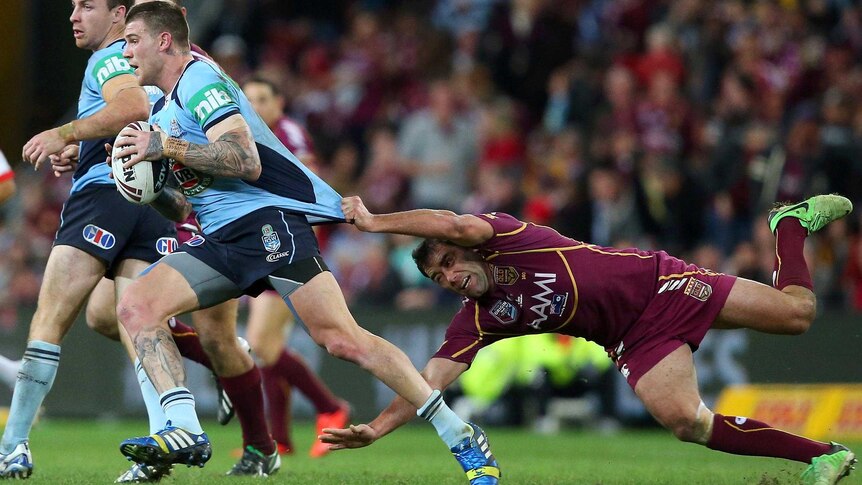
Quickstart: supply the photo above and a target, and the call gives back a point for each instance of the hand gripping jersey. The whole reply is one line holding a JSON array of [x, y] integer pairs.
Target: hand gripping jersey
[[203, 96], [619, 298], [104, 65]]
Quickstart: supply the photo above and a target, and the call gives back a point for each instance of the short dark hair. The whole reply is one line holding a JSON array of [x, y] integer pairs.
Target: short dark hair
[[423, 252], [258, 79], [115, 3], [162, 16]]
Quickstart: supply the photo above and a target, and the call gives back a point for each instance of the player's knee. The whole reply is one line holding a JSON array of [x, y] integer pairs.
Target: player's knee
[[686, 428], [803, 312], [135, 314], [340, 345], [105, 326], [267, 350]]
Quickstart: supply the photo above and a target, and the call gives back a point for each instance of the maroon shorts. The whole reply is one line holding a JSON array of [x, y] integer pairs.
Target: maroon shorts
[[682, 311]]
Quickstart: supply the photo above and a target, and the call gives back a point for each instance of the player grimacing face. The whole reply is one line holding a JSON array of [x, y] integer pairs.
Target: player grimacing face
[[460, 270], [142, 51], [91, 22]]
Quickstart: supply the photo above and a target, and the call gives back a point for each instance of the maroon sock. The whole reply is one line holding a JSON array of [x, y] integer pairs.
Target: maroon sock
[[790, 267], [743, 436], [292, 369], [189, 344], [277, 394], [246, 395]]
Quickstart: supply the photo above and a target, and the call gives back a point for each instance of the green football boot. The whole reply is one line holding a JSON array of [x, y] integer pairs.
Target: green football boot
[[813, 213], [831, 467]]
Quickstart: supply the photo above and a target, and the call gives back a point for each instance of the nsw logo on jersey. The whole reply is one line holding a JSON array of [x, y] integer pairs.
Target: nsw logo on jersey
[[270, 239], [97, 236], [166, 245], [208, 100], [111, 66]]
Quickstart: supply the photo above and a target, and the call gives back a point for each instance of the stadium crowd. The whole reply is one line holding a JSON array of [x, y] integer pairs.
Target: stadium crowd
[[649, 123]]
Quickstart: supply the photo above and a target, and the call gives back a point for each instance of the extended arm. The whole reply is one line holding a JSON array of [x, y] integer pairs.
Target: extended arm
[[231, 151], [464, 230], [439, 373], [125, 102]]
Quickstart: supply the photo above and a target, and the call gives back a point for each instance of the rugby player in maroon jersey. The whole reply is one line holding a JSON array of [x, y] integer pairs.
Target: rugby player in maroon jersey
[[648, 309]]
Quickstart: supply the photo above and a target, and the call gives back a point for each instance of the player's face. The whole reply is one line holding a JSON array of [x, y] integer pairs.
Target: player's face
[[460, 270], [91, 22], [264, 101], [142, 51]]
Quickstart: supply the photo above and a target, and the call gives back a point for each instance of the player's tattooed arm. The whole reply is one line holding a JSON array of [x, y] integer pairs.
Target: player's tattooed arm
[[231, 155], [172, 204], [161, 359]]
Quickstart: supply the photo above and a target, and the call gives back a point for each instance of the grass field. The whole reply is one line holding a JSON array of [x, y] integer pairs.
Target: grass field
[[85, 452]]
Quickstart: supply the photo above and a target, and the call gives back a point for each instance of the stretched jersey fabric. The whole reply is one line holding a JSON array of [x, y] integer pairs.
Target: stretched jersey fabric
[[545, 282], [205, 95], [104, 65]]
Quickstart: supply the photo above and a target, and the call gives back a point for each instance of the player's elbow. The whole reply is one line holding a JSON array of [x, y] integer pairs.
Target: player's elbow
[[252, 173]]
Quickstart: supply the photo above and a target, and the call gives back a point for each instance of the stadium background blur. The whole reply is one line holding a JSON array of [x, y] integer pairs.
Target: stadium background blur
[[654, 123]]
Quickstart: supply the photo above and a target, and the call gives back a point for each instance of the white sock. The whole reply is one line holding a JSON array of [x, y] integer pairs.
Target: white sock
[[451, 429]]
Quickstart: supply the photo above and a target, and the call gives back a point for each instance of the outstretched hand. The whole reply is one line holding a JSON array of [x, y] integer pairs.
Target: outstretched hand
[[356, 436], [356, 213]]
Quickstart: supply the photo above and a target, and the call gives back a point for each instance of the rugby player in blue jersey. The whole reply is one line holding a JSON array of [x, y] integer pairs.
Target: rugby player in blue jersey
[[256, 203], [99, 233]]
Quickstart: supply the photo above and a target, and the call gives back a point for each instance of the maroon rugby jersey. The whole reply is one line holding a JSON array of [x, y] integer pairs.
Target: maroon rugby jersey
[[293, 136], [545, 282]]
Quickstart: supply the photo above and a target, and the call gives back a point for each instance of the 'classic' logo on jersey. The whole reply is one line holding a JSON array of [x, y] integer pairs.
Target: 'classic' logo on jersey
[[99, 237], [208, 100], [191, 182], [504, 311], [541, 308], [166, 245], [270, 239], [698, 289], [111, 66], [505, 275]]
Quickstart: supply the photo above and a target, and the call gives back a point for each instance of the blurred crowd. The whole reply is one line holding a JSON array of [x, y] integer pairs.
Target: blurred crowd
[[659, 124]]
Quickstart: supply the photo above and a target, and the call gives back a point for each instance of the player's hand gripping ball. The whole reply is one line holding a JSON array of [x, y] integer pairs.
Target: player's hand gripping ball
[[142, 182]]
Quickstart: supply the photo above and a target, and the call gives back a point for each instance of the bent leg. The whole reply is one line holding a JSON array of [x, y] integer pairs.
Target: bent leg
[[102, 310], [669, 392], [759, 307]]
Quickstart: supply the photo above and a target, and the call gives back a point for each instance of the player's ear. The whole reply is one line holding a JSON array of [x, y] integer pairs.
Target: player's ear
[[165, 41], [119, 13]]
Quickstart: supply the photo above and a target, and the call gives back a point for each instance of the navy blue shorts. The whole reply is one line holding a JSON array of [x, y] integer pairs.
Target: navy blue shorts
[[100, 222], [249, 249]]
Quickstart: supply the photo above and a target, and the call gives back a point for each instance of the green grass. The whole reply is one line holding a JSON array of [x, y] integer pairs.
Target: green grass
[[86, 452]]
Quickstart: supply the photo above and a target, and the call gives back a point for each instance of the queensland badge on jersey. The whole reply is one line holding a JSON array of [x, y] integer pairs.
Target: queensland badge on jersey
[[698, 289], [505, 275]]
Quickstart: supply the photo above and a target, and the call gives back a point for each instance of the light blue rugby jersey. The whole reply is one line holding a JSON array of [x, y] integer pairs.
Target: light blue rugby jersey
[[104, 64], [205, 95]]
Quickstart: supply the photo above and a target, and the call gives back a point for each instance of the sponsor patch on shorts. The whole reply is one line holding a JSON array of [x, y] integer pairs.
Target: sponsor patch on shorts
[[97, 236], [196, 240], [166, 245]]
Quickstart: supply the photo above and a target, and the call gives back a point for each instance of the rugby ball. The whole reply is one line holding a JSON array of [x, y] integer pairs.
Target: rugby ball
[[142, 182]]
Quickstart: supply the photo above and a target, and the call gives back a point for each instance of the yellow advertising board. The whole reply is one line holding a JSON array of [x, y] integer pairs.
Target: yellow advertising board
[[818, 411]]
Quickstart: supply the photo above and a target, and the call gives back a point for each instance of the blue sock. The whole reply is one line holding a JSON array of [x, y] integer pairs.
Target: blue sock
[[155, 413], [35, 378], [179, 406], [451, 429]]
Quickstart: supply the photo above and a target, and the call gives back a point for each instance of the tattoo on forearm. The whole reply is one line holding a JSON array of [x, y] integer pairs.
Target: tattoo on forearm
[[172, 204], [176, 148], [154, 147], [159, 355], [230, 156]]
